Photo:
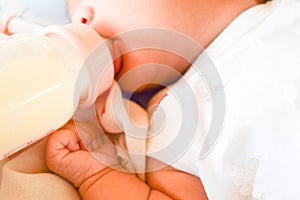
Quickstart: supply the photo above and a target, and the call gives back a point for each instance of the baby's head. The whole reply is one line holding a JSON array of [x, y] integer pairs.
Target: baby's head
[[112, 18], [198, 20]]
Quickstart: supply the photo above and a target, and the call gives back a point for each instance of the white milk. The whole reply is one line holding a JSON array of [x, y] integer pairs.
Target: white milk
[[37, 85], [23, 102]]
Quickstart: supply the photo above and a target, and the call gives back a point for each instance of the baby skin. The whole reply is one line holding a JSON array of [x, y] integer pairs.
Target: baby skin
[[67, 157]]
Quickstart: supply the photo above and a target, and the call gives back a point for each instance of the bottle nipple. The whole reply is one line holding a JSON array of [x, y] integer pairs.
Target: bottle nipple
[[95, 53]]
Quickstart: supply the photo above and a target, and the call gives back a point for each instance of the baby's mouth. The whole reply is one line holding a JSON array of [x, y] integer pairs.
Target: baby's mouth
[[116, 56]]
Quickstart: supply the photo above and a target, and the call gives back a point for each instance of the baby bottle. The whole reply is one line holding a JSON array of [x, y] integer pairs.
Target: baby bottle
[[10, 24], [45, 77]]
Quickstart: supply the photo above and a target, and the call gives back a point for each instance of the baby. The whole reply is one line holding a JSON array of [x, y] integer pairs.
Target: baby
[[202, 21]]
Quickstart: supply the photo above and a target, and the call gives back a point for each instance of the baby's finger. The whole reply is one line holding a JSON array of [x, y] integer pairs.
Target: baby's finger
[[59, 145], [64, 139]]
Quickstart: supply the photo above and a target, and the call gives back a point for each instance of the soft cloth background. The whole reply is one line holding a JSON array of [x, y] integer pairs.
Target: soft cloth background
[[26, 177]]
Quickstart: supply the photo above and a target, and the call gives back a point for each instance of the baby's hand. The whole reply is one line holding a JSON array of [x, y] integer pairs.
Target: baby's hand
[[67, 156]]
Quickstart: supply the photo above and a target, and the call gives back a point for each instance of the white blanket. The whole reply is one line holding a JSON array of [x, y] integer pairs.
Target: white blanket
[[26, 177]]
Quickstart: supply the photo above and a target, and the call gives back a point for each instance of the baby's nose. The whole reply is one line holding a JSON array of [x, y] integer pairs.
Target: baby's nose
[[84, 15]]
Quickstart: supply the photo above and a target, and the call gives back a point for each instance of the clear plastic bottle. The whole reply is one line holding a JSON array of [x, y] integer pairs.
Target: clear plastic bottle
[[11, 24], [45, 77]]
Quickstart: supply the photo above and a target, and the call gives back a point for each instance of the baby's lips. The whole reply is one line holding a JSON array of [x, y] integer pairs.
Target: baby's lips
[[117, 64], [117, 58]]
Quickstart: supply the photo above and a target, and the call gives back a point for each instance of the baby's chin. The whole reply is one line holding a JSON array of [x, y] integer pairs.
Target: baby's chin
[[138, 80], [133, 88], [145, 88], [134, 83]]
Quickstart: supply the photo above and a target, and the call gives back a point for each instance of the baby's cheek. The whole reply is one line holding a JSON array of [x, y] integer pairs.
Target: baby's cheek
[[147, 69]]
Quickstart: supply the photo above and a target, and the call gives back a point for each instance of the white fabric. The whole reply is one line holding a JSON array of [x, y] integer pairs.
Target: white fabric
[[43, 12], [26, 177], [258, 59]]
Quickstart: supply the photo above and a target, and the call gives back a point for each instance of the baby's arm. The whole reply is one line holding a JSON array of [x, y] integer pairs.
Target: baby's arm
[[66, 156], [164, 184], [115, 184], [175, 183]]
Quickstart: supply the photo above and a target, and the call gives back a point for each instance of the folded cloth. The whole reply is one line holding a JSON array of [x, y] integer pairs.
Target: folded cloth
[[26, 177]]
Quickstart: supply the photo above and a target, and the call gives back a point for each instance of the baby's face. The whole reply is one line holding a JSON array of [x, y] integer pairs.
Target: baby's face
[[113, 18]]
